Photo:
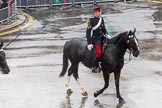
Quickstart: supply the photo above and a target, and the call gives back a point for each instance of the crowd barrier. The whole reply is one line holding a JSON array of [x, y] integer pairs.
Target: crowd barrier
[[7, 12], [37, 3]]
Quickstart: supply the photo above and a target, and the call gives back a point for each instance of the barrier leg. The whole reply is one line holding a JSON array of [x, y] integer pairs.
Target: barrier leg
[[95, 3]]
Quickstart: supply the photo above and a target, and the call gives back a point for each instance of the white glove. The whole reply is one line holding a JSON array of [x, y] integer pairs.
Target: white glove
[[107, 36], [90, 46]]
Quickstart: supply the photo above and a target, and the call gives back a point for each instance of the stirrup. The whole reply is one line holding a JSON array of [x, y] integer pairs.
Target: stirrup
[[98, 70], [100, 67]]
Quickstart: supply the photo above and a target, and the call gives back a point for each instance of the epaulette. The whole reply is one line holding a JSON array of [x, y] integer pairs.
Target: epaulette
[[89, 25]]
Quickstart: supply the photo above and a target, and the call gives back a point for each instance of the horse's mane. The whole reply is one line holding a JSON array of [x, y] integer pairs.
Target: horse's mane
[[115, 39]]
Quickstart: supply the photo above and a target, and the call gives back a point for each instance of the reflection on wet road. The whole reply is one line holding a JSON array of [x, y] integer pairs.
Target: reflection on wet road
[[68, 104]]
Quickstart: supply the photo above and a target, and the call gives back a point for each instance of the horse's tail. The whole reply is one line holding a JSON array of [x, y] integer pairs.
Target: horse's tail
[[65, 62]]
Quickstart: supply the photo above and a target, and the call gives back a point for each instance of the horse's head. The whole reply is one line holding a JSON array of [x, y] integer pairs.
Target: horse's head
[[3, 63], [132, 43]]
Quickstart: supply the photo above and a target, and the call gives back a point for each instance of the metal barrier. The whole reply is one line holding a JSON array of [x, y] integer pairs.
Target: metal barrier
[[7, 12], [46, 3]]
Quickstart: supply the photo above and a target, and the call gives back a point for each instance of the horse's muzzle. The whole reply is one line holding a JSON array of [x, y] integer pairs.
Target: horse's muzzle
[[136, 53], [6, 71]]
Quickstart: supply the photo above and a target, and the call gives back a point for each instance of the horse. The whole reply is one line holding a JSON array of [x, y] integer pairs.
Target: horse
[[76, 51], [3, 63]]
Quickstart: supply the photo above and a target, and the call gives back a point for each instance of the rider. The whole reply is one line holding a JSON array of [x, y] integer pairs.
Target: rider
[[94, 33]]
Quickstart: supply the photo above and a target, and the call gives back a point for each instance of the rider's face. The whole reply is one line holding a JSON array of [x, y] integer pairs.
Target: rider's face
[[97, 14]]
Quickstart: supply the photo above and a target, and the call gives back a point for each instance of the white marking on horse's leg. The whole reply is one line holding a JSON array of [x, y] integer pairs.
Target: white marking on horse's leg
[[81, 86], [67, 83]]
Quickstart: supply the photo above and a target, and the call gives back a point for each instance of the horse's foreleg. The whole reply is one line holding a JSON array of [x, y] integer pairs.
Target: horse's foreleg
[[68, 89], [117, 77], [84, 93], [106, 80]]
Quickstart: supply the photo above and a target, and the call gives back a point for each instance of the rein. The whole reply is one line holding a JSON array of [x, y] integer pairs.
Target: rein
[[130, 57], [11, 41]]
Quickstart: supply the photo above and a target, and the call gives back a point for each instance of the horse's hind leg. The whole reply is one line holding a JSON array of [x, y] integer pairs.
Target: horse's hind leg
[[84, 93], [68, 89], [75, 74]]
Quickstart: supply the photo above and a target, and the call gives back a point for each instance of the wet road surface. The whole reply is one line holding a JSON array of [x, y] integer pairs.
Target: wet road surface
[[35, 60]]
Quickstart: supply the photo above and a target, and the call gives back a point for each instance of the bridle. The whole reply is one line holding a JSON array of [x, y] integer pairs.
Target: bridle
[[130, 51]]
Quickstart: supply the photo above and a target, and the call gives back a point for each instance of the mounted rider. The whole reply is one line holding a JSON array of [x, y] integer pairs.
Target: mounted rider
[[95, 32]]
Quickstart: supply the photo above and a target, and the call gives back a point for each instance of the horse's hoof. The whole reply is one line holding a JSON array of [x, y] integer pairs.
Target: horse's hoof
[[69, 92], [96, 94], [121, 102], [85, 93]]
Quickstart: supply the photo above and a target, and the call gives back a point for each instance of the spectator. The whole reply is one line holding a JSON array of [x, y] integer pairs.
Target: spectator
[[4, 4], [1, 2]]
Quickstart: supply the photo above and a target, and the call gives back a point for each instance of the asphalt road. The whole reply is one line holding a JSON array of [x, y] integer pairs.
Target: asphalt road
[[35, 60]]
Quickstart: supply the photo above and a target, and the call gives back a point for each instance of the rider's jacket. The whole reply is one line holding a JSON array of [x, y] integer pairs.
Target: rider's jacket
[[94, 35]]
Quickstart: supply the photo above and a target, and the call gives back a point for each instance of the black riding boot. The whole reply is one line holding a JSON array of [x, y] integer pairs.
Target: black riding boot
[[96, 66]]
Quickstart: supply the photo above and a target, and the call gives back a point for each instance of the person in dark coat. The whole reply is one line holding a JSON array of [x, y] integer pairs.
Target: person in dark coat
[[4, 4], [95, 32], [1, 2]]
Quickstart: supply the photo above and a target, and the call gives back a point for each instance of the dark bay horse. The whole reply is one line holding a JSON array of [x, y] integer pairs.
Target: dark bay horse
[[112, 59], [3, 63]]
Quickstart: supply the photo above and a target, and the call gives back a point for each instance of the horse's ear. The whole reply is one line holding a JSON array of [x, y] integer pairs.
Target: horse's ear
[[134, 30], [129, 33], [1, 45]]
